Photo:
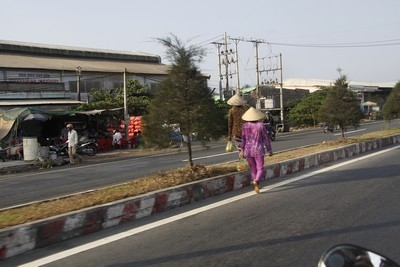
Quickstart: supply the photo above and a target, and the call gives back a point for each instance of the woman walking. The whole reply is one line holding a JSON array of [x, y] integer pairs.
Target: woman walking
[[254, 143], [235, 121]]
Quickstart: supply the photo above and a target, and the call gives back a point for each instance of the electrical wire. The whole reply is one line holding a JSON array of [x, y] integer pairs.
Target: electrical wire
[[343, 45]]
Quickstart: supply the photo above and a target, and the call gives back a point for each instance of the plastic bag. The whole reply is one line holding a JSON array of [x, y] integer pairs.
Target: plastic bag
[[242, 165], [229, 147]]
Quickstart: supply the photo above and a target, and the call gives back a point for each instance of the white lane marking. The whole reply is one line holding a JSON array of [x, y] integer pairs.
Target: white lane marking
[[62, 170], [212, 156], [140, 229], [347, 132]]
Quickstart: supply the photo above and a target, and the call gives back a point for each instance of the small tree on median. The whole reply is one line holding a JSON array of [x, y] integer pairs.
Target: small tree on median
[[341, 107], [391, 108], [182, 98]]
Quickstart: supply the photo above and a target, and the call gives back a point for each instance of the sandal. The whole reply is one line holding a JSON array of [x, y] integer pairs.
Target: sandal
[[256, 187]]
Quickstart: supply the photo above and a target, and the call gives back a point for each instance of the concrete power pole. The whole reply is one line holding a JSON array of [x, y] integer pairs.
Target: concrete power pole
[[256, 43], [277, 67], [219, 69], [223, 59], [226, 62], [126, 114], [281, 91], [236, 40]]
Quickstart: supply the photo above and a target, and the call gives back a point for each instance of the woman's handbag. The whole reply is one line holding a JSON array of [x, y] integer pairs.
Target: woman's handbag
[[229, 147]]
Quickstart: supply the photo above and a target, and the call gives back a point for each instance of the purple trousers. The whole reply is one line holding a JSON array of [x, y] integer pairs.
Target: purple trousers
[[256, 165]]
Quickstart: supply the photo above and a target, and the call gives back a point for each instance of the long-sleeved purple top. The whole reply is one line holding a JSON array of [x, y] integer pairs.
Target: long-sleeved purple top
[[254, 139]]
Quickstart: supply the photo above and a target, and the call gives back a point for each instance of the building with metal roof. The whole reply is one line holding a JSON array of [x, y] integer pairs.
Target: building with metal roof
[[40, 74]]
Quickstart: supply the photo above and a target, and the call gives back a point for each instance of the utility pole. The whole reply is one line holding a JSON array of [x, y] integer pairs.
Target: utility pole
[[223, 59], [281, 92], [219, 69], [271, 68], [236, 40], [78, 82], [274, 82], [226, 62], [256, 43], [126, 115]]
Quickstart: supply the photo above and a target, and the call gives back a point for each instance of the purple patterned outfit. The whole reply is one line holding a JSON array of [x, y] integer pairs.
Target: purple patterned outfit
[[255, 141]]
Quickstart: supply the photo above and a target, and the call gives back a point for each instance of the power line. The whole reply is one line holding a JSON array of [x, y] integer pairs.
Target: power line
[[207, 42], [344, 45]]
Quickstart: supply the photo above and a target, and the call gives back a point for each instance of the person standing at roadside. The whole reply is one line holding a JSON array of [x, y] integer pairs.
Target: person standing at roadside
[[235, 121], [117, 139], [72, 143], [255, 141]]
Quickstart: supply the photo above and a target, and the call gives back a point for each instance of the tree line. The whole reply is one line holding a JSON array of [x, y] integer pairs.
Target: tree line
[[338, 106], [184, 99]]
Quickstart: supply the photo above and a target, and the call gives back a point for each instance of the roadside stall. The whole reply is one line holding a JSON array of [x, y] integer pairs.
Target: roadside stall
[[20, 129], [25, 133]]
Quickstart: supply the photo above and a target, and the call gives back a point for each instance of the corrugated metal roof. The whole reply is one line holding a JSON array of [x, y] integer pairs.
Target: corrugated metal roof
[[70, 64], [77, 52], [36, 102]]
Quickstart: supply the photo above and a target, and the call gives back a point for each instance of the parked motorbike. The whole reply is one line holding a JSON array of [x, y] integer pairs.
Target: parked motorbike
[[271, 131], [58, 153], [345, 255], [3, 154], [87, 147]]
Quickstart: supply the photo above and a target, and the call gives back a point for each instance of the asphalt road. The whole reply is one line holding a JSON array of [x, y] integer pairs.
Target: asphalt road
[[22, 188], [291, 223]]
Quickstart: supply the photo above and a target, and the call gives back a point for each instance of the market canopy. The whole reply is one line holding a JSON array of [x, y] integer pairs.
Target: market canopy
[[5, 127], [8, 117], [36, 113], [97, 111], [37, 117], [22, 113], [370, 104]]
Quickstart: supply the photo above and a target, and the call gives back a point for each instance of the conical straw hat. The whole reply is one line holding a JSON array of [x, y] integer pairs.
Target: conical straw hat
[[236, 100], [253, 114]]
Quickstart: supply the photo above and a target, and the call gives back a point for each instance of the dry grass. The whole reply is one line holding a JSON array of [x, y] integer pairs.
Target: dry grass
[[155, 182]]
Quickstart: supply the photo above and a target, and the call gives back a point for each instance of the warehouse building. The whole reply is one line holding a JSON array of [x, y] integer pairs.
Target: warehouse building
[[53, 76]]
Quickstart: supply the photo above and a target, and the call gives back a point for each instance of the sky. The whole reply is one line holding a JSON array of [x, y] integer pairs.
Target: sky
[[316, 39]]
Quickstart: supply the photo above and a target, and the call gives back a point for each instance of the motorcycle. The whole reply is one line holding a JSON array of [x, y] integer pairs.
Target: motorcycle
[[271, 131], [345, 255], [58, 153], [87, 147], [3, 154], [328, 129]]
